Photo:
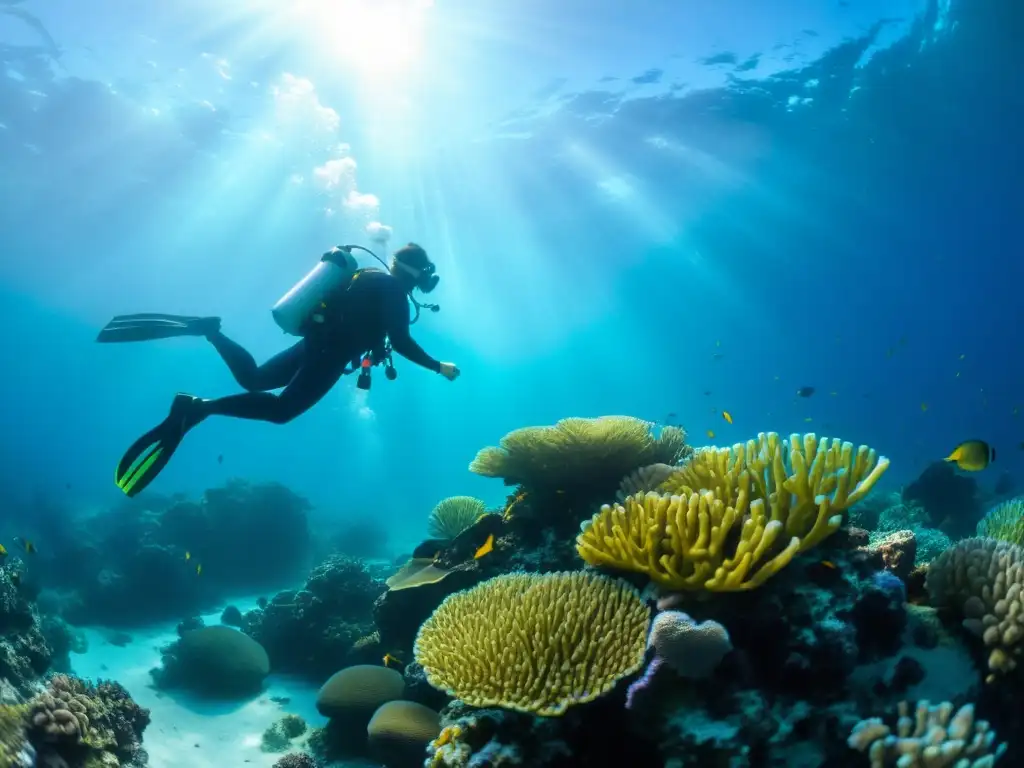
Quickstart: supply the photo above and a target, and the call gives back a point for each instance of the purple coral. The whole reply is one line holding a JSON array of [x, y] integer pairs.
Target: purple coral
[[693, 649]]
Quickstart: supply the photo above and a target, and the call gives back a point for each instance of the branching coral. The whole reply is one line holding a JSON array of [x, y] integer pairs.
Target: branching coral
[[575, 451], [537, 643], [454, 515], [982, 580], [1005, 522], [740, 516], [930, 737]]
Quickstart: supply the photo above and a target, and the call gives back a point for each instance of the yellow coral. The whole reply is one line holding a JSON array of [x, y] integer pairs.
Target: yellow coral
[[686, 538], [454, 515], [575, 451], [536, 643]]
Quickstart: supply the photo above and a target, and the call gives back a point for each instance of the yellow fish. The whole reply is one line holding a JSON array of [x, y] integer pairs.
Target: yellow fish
[[828, 564], [486, 548], [388, 660], [973, 455], [199, 570], [3, 551], [188, 556], [727, 416], [711, 434], [808, 419], [28, 546]]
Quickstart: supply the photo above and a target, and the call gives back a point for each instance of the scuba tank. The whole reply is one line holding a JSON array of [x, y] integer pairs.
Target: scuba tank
[[307, 301]]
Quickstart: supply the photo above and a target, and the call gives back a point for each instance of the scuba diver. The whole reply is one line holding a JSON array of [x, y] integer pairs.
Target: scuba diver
[[350, 320]]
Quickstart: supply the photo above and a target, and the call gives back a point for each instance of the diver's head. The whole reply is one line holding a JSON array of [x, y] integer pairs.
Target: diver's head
[[414, 269]]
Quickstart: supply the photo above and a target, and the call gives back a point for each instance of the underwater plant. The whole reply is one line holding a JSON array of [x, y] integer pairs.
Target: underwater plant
[[537, 643]]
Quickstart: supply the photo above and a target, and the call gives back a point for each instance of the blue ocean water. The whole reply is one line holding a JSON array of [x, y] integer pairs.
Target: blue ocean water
[[664, 209], [826, 197]]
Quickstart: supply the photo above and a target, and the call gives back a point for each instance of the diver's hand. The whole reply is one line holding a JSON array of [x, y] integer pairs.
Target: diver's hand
[[449, 371]]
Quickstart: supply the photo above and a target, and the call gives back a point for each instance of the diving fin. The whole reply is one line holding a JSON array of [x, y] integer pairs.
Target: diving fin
[[150, 453], [150, 325]]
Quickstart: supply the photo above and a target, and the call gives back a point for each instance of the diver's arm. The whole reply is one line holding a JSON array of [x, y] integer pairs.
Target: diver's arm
[[405, 345], [402, 341]]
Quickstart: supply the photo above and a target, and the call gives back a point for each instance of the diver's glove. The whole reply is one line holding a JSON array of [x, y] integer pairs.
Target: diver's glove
[[449, 371]]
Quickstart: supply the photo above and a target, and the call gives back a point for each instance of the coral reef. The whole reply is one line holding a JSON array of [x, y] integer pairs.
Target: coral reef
[[128, 566], [86, 724], [580, 455], [314, 630], [217, 661], [399, 731], [783, 499], [25, 654], [453, 515], [1005, 521], [535, 643], [981, 580], [297, 760], [278, 737], [928, 736]]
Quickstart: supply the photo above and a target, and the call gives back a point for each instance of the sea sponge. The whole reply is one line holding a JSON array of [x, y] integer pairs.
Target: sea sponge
[[537, 643], [454, 515], [575, 451], [399, 731], [731, 518], [217, 661], [359, 690], [982, 580], [1005, 522], [929, 736]]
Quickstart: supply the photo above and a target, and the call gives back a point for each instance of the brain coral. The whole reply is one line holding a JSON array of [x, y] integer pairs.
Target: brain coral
[[218, 661], [536, 643]]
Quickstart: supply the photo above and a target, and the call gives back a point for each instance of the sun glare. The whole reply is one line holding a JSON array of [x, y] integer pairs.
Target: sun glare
[[378, 38]]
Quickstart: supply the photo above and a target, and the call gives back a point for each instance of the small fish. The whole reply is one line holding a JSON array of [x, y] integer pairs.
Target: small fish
[[829, 564], [711, 434], [962, 356], [670, 417], [390, 660], [220, 458], [833, 393], [707, 392], [3, 551], [924, 407], [805, 392], [718, 342], [199, 569], [727, 416], [958, 374], [486, 548], [188, 556], [717, 356], [808, 419], [972, 455], [28, 546]]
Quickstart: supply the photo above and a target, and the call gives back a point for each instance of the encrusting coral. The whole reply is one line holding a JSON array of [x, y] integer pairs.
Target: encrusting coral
[[784, 498], [982, 580], [537, 643], [576, 450], [930, 737], [453, 515]]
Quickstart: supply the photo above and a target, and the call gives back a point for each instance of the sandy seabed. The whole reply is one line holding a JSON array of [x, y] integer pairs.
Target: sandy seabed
[[186, 731]]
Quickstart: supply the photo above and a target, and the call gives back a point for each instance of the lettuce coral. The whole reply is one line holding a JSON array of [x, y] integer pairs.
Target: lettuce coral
[[537, 643]]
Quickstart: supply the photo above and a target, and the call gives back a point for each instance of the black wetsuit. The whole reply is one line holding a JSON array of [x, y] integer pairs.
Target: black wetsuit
[[375, 305]]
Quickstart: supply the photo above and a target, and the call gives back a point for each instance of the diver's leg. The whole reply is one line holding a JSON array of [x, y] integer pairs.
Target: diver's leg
[[273, 374], [314, 379]]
